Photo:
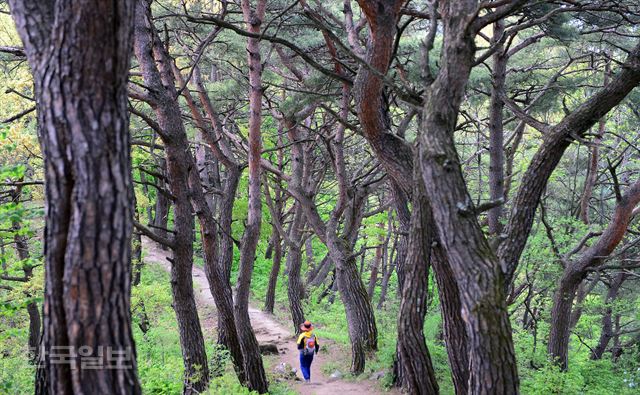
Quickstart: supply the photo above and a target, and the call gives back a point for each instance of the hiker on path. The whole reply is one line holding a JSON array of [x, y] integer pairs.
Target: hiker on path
[[308, 346]]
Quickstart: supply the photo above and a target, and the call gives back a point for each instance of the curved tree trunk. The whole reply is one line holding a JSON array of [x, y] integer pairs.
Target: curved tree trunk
[[84, 135], [226, 241], [575, 271]]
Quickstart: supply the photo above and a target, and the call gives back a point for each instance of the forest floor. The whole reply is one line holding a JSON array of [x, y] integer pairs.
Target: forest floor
[[269, 330]]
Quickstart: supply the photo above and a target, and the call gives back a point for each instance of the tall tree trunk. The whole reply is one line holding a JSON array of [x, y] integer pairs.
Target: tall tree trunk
[[360, 319], [558, 345], [453, 325], [256, 378], [79, 56], [496, 131], [218, 144], [217, 275], [179, 161], [225, 220]]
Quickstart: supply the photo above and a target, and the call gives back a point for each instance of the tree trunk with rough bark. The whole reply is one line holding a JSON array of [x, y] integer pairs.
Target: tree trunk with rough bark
[[179, 161], [295, 289], [79, 57], [557, 139], [217, 273], [254, 369], [496, 130], [477, 272], [418, 376]]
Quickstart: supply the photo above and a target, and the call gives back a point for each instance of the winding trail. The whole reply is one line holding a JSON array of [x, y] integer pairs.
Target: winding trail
[[268, 330]]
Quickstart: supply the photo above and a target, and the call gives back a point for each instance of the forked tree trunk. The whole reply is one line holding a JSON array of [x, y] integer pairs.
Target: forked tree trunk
[[476, 269], [216, 273], [79, 56]]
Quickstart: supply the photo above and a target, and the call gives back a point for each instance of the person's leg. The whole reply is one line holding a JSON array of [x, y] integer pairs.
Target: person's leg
[[304, 367], [310, 357]]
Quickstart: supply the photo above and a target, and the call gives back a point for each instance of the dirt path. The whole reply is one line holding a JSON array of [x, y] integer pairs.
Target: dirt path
[[268, 330]]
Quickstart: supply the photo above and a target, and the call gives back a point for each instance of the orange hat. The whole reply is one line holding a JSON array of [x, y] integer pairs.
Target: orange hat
[[306, 326]]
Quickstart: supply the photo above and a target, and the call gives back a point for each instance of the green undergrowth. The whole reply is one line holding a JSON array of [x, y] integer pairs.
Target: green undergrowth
[[159, 357]]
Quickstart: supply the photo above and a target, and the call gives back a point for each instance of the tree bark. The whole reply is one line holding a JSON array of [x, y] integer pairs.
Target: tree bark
[[222, 151], [496, 130], [418, 376], [159, 78], [79, 56], [217, 272], [492, 364], [295, 289], [256, 378]]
